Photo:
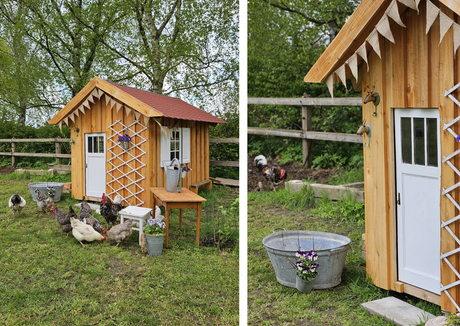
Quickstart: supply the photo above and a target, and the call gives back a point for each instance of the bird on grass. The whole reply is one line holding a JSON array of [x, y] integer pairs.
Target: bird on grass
[[16, 204]]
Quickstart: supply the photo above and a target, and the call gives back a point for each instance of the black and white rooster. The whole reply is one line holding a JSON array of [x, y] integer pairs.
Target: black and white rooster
[[16, 203], [275, 175]]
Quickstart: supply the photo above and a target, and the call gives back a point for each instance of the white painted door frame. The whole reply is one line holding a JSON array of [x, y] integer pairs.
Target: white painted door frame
[[418, 189], [95, 164]]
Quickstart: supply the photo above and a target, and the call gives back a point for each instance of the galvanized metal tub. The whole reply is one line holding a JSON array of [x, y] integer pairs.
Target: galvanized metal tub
[[43, 188], [331, 249]]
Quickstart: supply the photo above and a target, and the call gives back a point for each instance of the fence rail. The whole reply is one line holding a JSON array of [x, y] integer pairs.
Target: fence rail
[[58, 155], [306, 133]]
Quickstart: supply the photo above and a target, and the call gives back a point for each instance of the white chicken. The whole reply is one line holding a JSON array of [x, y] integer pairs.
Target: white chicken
[[158, 213], [82, 231], [16, 203]]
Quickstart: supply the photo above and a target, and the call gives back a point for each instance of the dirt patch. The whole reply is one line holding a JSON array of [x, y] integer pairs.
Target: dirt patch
[[294, 171], [6, 170]]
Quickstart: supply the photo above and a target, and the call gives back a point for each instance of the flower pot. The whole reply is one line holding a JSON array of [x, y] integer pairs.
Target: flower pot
[[303, 285], [184, 174], [124, 144], [154, 244]]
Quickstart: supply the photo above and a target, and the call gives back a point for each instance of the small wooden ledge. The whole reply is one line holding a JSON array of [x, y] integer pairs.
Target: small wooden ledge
[[202, 184]]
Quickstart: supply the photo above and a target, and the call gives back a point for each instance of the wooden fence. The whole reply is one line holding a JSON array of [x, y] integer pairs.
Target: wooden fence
[[306, 133], [58, 155]]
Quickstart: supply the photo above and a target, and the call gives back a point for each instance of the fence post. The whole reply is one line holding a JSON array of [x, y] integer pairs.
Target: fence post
[[13, 149], [306, 126], [58, 151]]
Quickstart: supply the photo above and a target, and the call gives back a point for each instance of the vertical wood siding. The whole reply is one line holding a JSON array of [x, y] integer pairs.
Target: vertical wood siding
[[413, 73], [101, 116]]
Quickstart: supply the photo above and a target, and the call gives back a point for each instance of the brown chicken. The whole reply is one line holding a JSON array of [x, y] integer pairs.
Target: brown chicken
[[120, 232], [275, 175], [64, 219], [43, 201], [109, 210]]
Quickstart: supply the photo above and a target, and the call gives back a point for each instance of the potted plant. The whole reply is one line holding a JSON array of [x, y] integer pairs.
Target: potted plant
[[155, 236], [306, 270], [184, 170], [124, 141]]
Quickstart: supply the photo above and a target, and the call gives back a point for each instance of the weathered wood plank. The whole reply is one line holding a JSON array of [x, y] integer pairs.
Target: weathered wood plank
[[224, 140], [332, 136], [224, 163], [35, 154], [36, 140], [326, 101]]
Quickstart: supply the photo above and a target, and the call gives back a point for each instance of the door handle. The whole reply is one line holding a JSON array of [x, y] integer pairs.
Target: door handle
[[398, 201]]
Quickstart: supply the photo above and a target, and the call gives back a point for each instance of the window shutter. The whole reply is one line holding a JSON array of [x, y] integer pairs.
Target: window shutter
[[185, 145], [165, 148]]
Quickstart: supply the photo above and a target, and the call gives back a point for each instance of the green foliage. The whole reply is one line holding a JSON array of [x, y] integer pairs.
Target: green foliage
[[219, 226], [346, 209], [352, 176], [453, 319]]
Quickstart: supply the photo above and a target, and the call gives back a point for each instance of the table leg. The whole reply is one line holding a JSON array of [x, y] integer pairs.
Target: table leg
[[167, 226], [141, 229], [180, 218], [198, 217]]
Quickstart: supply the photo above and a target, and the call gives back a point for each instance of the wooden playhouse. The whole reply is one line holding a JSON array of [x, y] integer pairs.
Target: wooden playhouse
[[405, 52], [161, 128]]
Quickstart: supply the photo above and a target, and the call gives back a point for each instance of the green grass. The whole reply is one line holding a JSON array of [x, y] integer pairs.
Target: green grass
[[48, 279], [270, 303], [352, 176]]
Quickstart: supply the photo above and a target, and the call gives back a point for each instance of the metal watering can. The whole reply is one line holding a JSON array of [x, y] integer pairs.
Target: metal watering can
[[173, 176]]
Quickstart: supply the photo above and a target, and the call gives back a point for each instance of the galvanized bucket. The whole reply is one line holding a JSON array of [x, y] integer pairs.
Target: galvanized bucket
[[43, 187], [331, 249], [173, 176]]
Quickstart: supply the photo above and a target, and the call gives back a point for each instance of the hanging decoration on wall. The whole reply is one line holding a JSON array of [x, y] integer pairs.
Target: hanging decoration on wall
[[383, 29]]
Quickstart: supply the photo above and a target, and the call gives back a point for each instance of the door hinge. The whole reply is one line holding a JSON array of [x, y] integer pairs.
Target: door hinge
[[399, 199], [86, 165]]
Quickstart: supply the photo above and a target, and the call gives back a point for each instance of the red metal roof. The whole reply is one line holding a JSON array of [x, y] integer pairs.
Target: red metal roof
[[170, 107]]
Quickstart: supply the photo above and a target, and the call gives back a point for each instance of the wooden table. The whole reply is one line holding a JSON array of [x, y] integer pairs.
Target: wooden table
[[171, 200]]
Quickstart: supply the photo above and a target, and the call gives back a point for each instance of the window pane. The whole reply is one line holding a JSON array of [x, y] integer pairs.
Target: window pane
[[432, 142], [95, 147], [406, 140], [90, 144], [172, 146], [419, 141]]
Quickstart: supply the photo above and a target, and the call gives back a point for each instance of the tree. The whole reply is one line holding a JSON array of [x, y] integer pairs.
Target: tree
[[285, 40], [177, 48], [23, 77]]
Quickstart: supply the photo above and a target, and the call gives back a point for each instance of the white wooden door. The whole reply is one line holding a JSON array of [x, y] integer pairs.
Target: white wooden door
[[95, 164], [418, 175]]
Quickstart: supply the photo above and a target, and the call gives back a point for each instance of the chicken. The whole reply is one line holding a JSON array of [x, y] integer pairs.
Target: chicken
[[84, 232], [43, 201], [64, 219], [94, 222], [16, 203], [275, 175], [85, 210], [109, 210], [158, 214], [120, 232]]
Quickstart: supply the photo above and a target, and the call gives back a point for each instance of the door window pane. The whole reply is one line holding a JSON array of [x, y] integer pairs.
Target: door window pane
[[419, 141], [101, 144], [90, 144], [406, 140], [95, 147], [432, 142]]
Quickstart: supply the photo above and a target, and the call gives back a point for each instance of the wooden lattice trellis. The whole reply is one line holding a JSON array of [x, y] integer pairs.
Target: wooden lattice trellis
[[136, 141], [447, 193]]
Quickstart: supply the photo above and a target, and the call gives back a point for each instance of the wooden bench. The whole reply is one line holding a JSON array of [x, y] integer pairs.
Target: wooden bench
[[202, 184]]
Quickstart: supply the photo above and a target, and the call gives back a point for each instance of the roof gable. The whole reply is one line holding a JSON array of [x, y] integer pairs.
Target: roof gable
[[143, 102], [355, 32]]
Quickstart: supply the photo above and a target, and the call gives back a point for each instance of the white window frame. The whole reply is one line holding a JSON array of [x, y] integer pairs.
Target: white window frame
[[184, 145]]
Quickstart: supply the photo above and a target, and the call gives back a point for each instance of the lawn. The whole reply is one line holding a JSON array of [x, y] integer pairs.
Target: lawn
[[48, 279], [270, 303]]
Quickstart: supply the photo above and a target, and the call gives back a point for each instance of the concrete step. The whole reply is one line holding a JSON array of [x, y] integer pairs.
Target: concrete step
[[94, 207], [397, 311]]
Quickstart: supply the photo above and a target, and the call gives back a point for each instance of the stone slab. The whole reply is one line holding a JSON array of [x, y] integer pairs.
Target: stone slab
[[333, 192], [397, 311]]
